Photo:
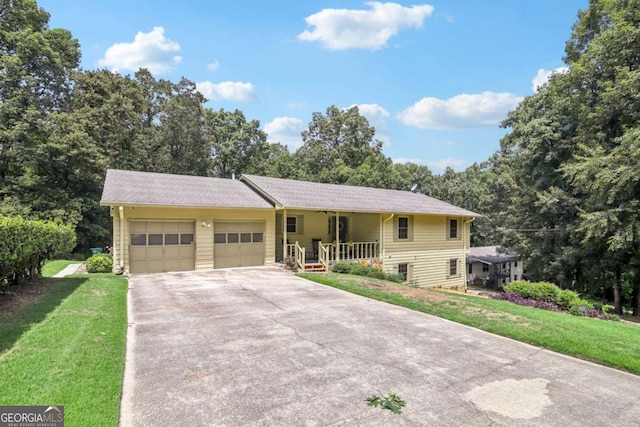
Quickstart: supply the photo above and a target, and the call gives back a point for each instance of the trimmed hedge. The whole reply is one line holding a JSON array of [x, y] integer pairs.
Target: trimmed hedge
[[550, 297], [100, 263], [25, 245], [362, 270], [534, 290]]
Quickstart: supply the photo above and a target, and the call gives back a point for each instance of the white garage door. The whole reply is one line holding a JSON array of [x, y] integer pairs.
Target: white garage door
[[238, 244], [157, 246]]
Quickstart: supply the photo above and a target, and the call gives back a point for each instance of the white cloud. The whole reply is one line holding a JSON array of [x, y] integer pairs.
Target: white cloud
[[213, 66], [377, 117], [403, 160], [231, 91], [460, 112], [363, 29], [542, 76], [440, 165], [437, 166], [285, 130], [150, 50]]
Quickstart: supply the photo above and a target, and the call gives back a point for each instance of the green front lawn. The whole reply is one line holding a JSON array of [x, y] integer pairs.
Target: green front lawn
[[64, 344], [52, 268], [612, 344]]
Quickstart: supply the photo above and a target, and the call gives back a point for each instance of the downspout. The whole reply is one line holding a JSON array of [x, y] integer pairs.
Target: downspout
[[121, 251], [464, 249], [382, 240]]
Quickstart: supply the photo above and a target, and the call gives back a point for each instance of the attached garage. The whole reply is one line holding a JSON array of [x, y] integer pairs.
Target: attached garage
[[158, 246], [164, 222], [239, 244]]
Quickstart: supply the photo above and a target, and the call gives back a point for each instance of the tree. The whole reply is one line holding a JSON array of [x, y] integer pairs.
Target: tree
[[339, 141], [181, 132], [35, 80], [237, 145]]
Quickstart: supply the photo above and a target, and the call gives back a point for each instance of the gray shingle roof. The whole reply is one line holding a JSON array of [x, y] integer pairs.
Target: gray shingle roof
[[159, 189], [488, 255], [292, 194]]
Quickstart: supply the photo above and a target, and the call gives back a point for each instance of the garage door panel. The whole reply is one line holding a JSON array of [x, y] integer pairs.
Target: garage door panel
[[157, 246], [238, 244]]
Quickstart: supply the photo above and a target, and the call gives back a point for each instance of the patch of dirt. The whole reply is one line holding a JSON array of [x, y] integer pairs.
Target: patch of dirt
[[404, 290], [22, 294]]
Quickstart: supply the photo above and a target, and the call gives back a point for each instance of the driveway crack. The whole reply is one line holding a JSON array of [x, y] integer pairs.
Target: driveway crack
[[260, 297]]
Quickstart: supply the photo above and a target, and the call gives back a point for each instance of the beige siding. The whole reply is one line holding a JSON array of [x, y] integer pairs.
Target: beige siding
[[360, 228], [115, 246], [365, 227], [203, 234], [428, 252]]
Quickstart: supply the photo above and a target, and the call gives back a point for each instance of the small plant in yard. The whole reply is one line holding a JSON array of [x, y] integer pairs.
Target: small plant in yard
[[391, 401], [290, 263], [100, 263]]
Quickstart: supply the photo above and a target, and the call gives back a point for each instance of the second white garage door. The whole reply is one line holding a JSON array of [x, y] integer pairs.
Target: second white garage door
[[238, 244]]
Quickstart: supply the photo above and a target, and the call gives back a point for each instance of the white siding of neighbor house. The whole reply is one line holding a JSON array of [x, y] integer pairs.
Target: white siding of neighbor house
[[203, 234]]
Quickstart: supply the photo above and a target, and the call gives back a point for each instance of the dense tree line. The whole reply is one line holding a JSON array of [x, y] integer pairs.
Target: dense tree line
[[562, 191]]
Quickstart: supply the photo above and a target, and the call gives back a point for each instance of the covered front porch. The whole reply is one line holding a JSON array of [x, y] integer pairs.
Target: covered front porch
[[314, 240]]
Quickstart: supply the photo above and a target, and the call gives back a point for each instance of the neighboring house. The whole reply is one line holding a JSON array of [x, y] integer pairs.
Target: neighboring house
[[487, 266], [165, 222]]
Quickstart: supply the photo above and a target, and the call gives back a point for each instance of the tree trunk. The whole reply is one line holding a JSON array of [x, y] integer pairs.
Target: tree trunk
[[617, 301], [635, 298]]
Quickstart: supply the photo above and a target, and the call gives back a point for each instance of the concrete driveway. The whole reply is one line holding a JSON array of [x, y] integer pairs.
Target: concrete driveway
[[259, 346]]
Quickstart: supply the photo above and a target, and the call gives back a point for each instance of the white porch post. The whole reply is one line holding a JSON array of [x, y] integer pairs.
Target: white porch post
[[284, 235], [337, 236]]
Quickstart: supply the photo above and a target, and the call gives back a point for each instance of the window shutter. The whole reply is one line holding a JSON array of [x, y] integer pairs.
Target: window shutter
[[279, 219], [300, 224]]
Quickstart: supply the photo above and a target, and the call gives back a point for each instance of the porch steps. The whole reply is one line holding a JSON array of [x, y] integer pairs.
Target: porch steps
[[314, 267]]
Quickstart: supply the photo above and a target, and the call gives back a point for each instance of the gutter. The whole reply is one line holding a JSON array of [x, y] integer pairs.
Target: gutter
[[121, 251], [383, 249]]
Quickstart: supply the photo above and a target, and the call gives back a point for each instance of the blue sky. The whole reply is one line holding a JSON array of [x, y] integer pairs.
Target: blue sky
[[434, 78]]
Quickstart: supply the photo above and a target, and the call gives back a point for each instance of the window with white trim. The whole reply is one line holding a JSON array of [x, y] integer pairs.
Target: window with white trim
[[452, 231], [403, 270], [292, 224], [403, 228], [453, 267]]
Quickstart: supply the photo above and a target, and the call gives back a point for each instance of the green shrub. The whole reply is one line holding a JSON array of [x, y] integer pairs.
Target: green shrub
[[534, 290], [25, 245], [100, 263], [580, 307], [567, 299], [362, 270]]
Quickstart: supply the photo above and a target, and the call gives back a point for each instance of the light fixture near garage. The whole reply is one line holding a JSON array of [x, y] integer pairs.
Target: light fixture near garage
[[205, 224]]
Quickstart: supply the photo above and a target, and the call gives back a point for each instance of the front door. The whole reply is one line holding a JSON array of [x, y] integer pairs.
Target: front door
[[342, 228]]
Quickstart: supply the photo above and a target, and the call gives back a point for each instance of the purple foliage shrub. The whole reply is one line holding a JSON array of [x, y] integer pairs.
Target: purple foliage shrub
[[517, 299]]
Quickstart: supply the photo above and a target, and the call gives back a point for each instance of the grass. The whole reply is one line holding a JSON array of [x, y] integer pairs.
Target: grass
[[65, 345], [53, 267], [608, 343]]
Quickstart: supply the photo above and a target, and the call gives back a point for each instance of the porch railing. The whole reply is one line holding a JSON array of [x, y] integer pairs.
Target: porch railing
[[300, 255], [323, 255], [290, 251], [351, 251], [330, 252]]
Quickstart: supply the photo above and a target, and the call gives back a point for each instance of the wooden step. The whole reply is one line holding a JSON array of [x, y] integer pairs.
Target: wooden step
[[314, 267]]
